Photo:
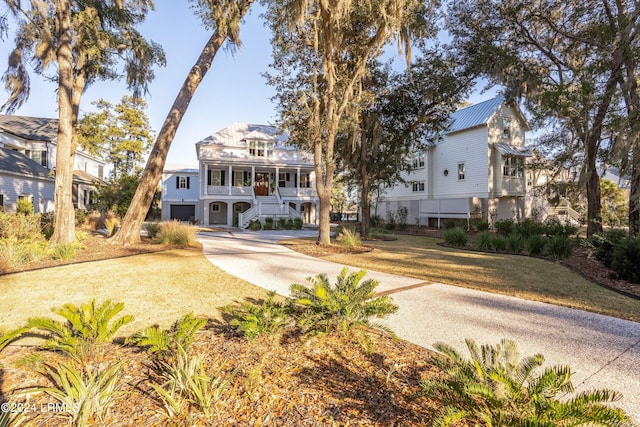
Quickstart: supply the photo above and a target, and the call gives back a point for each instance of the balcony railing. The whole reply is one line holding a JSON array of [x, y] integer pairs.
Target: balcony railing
[[297, 192]]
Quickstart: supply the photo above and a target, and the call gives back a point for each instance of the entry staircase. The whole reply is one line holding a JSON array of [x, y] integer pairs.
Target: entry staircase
[[565, 212], [266, 207]]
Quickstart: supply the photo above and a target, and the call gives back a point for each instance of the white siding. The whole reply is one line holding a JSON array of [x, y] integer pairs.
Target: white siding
[[469, 147], [40, 191]]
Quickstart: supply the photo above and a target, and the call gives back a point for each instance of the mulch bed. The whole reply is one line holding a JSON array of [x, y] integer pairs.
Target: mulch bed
[[369, 380]]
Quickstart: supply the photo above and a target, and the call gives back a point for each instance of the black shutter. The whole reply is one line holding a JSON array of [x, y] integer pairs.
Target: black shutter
[[188, 183], [209, 176], [221, 177], [177, 181]]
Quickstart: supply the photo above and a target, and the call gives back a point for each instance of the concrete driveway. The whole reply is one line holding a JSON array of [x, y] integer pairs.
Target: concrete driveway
[[603, 352]]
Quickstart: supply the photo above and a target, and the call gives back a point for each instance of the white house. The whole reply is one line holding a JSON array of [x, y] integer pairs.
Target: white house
[[27, 161], [245, 172], [476, 167]]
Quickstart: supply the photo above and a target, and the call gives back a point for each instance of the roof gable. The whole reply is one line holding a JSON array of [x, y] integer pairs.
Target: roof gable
[[474, 115], [31, 128], [239, 133], [16, 162]]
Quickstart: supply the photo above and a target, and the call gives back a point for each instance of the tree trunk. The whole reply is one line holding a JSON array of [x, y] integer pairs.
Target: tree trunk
[[64, 221], [129, 232], [365, 183], [594, 215], [634, 193]]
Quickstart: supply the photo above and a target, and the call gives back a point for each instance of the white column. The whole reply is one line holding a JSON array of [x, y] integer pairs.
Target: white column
[[230, 180], [230, 214], [297, 181]]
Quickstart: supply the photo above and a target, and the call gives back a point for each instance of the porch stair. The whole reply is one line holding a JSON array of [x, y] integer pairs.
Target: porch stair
[[566, 213], [266, 207]]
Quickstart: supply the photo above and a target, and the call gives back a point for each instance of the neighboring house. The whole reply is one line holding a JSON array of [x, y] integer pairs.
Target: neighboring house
[[475, 168], [245, 172], [30, 142]]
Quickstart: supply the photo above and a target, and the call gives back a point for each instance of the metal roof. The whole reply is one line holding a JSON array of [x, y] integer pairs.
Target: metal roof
[[512, 150], [239, 133], [32, 128], [475, 115], [16, 162]]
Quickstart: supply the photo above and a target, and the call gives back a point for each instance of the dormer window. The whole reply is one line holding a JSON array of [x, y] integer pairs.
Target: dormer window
[[506, 128], [260, 149]]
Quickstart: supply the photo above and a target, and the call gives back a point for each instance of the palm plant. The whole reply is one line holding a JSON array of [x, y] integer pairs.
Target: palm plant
[[162, 342], [186, 382], [254, 320], [85, 395], [495, 388], [8, 337], [86, 327], [327, 308]]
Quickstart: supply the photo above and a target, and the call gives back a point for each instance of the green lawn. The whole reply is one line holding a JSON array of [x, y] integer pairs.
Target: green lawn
[[530, 278]]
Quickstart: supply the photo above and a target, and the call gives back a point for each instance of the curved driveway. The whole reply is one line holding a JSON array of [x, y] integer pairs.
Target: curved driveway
[[603, 352]]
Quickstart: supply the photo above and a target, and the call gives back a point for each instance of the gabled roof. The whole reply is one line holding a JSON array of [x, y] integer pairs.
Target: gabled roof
[[16, 162], [239, 133], [31, 128], [475, 115]]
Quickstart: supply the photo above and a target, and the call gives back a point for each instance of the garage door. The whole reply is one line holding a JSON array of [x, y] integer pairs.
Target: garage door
[[183, 212]]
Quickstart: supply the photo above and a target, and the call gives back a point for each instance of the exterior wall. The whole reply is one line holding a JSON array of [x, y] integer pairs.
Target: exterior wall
[[179, 196], [469, 147], [39, 190], [89, 164]]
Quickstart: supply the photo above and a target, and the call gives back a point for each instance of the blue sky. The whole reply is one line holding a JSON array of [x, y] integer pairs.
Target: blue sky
[[232, 91]]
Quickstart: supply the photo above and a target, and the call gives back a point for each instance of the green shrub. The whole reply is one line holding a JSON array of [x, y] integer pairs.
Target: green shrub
[[496, 388], [456, 236], [515, 243], [165, 342], [376, 221], [390, 223], [402, 214], [326, 308], [65, 251], [298, 223], [86, 327], [528, 228], [24, 206], [484, 240], [177, 233], [535, 244], [46, 224], [81, 216], [498, 243], [605, 243], [626, 260], [348, 239], [555, 228], [480, 225], [559, 247], [289, 224], [153, 229], [282, 223], [504, 227], [268, 224], [254, 320], [255, 225]]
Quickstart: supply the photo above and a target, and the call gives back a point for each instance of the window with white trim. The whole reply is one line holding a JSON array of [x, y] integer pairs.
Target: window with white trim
[[215, 207], [283, 178], [461, 171], [506, 127], [216, 177], [182, 182], [512, 166], [417, 186], [261, 149], [417, 161], [305, 180]]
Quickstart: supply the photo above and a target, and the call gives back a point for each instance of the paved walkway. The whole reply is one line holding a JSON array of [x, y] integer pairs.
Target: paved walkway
[[603, 352]]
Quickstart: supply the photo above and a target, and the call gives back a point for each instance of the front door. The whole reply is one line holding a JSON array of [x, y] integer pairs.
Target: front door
[[261, 186]]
